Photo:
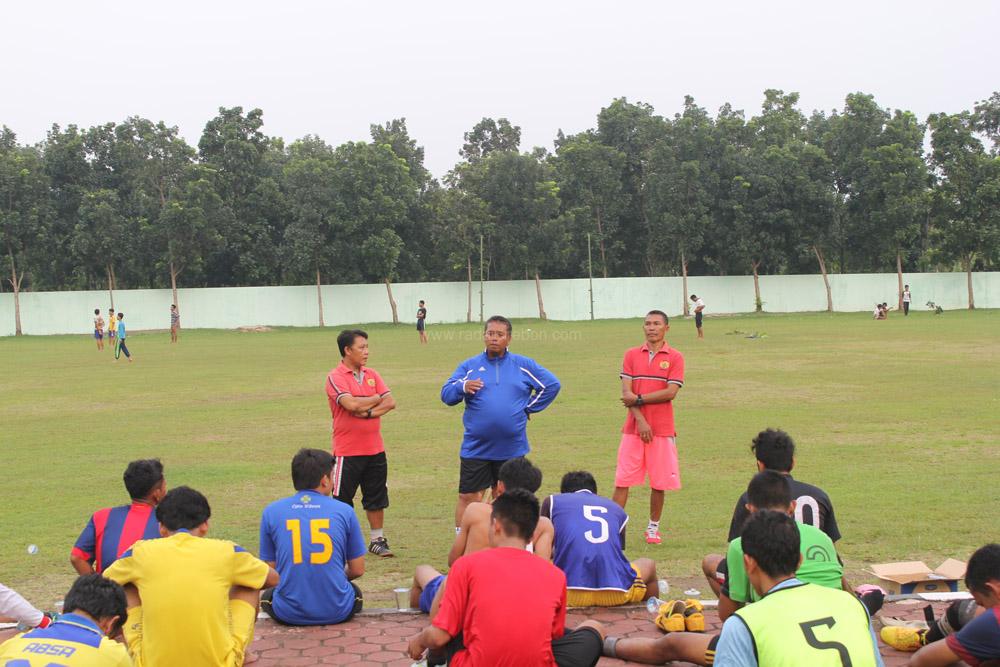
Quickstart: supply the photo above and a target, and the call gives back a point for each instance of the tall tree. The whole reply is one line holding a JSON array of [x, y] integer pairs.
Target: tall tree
[[490, 136], [99, 237]]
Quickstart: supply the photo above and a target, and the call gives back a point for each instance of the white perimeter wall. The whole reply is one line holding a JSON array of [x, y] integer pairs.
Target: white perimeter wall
[[231, 307]]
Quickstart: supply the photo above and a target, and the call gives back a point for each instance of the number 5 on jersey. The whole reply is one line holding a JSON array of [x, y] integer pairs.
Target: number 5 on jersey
[[316, 536], [590, 513]]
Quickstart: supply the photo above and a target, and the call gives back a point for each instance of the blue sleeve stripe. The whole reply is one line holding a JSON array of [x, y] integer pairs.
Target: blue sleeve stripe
[[238, 549]]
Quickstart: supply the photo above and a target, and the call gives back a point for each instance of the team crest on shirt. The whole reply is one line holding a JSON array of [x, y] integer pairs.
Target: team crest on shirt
[[371, 382], [305, 499], [664, 365]]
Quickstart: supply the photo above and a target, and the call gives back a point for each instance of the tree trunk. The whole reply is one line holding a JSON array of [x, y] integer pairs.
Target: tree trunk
[[392, 302], [174, 272], [758, 304], [968, 281], [899, 277], [684, 274], [15, 282], [600, 240], [319, 298], [538, 291], [468, 314], [826, 278], [111, 287]]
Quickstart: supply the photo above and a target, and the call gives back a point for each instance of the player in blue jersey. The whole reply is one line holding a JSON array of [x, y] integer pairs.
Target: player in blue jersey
[[500, 390], [94, 611], [316, 545], [120, 339], [113, 530], [589, 547]]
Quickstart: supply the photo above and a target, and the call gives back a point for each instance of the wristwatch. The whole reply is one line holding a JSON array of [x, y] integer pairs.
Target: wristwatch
[[369, 414], [638, 399]]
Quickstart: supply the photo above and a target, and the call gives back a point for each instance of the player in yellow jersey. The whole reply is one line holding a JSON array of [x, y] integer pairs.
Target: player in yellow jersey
[[95, 608]]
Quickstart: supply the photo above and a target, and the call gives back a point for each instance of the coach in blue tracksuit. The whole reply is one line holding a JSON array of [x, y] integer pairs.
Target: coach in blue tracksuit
[[500, 389]]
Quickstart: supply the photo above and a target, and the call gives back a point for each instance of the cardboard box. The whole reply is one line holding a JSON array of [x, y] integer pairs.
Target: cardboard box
[[916, 577]]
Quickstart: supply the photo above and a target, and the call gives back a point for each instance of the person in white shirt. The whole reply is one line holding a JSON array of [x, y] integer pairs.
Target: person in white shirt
[[699, 306], [906, 300]]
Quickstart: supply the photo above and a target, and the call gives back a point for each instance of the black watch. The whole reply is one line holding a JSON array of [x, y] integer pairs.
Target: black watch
[[638, 399]]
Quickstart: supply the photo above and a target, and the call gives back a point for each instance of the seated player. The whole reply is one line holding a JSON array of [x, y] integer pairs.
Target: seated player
[[473, 534], [775, 450], [93, 611], [820, 565], [977, 641], [792, 622], [589, 547], [191, 599], [505, 606], [113, 530], [12, 605], [316, 545]]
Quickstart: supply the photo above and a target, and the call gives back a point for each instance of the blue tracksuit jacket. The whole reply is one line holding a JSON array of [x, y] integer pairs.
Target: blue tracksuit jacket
[[496, 416]]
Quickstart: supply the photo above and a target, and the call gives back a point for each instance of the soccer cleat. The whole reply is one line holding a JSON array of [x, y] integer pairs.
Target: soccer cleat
[[671, 616], [903, 639], [694, 616], [653, 536], [380, 547]]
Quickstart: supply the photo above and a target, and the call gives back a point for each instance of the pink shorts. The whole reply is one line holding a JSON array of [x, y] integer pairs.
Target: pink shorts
[[658, 458]]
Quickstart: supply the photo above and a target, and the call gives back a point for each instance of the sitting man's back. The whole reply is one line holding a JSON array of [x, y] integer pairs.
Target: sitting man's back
[[315, 543], [95, 608], [195, 598]]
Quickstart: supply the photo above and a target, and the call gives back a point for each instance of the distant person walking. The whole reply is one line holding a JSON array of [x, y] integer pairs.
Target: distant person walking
[[699, 307], [651, 376], [500, 390], [175, 322], [906, 300], [98, 328], [421, 322], [120, 346]]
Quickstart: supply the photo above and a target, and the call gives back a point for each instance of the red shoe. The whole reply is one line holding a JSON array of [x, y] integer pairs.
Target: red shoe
[[653, 537]]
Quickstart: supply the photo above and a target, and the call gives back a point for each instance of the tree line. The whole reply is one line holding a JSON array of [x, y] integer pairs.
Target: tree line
[[860, 189]]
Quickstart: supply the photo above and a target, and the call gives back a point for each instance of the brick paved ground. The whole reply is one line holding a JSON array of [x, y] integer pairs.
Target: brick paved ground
[[380, 637]]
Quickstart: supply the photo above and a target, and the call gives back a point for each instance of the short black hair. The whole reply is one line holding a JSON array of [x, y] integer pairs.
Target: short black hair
[[421, 301], [501, 320], [183, 508], [173, 305], [769, 490], [97, 311], [775, 449], [983, 566], [309, 466], [520, 473], [142, 476], [347, 338], [517, 512], [772, 539], [694, 296], [98, 598], [121, 315], [578, 480], [666, 320]]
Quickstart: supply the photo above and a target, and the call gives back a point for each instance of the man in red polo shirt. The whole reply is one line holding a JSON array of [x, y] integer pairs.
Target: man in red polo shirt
[[652, 374], [358, 399]]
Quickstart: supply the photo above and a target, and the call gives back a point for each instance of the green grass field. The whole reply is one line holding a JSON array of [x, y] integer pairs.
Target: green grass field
[[896, 420]]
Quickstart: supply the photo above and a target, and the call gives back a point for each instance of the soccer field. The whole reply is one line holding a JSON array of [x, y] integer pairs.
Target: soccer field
[[896, 420]]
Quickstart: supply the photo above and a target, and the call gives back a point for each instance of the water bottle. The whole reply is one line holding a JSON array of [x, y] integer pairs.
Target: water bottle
[[653, 605]]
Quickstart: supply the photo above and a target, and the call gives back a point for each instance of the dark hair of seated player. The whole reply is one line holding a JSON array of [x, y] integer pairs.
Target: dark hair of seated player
[[578, 480], [520, 473], [517, 513], [142, 476], [309, 466], [769, 490], [183, 508], [775, 449], [984, 565], [98, 597], [772, 540]]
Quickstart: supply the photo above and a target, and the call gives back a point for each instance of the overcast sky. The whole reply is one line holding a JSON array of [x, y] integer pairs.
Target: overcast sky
[[333, 68]]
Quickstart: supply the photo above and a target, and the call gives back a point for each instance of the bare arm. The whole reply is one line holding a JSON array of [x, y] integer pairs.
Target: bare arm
[[272, 578], [545, 534], [429, 638], [355, 403], [355, 567], [461, 539], [934, 655], [662, 395], [81, 566], [727, 607], [388, 403]]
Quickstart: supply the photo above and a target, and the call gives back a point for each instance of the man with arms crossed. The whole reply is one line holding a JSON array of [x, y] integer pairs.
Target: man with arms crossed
[[113, 530], [422, 322], [590, 547], [508, 605], [699, 314], [192, 600], [500, 390], [358, 398], [315, 543], [652, 374]]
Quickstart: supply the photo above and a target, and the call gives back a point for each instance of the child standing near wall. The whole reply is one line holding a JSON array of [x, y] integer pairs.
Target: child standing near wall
[[120, 342], [98, 329]]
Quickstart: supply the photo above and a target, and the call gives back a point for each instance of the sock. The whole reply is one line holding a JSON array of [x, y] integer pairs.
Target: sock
[[609, 647], [653, 526], [376, 533]]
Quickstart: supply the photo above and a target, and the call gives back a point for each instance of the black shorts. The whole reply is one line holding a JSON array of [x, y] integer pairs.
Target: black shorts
[[478, 475], [697, 319], [368, 472], [420, 325], [267, 597], [578, 648]]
